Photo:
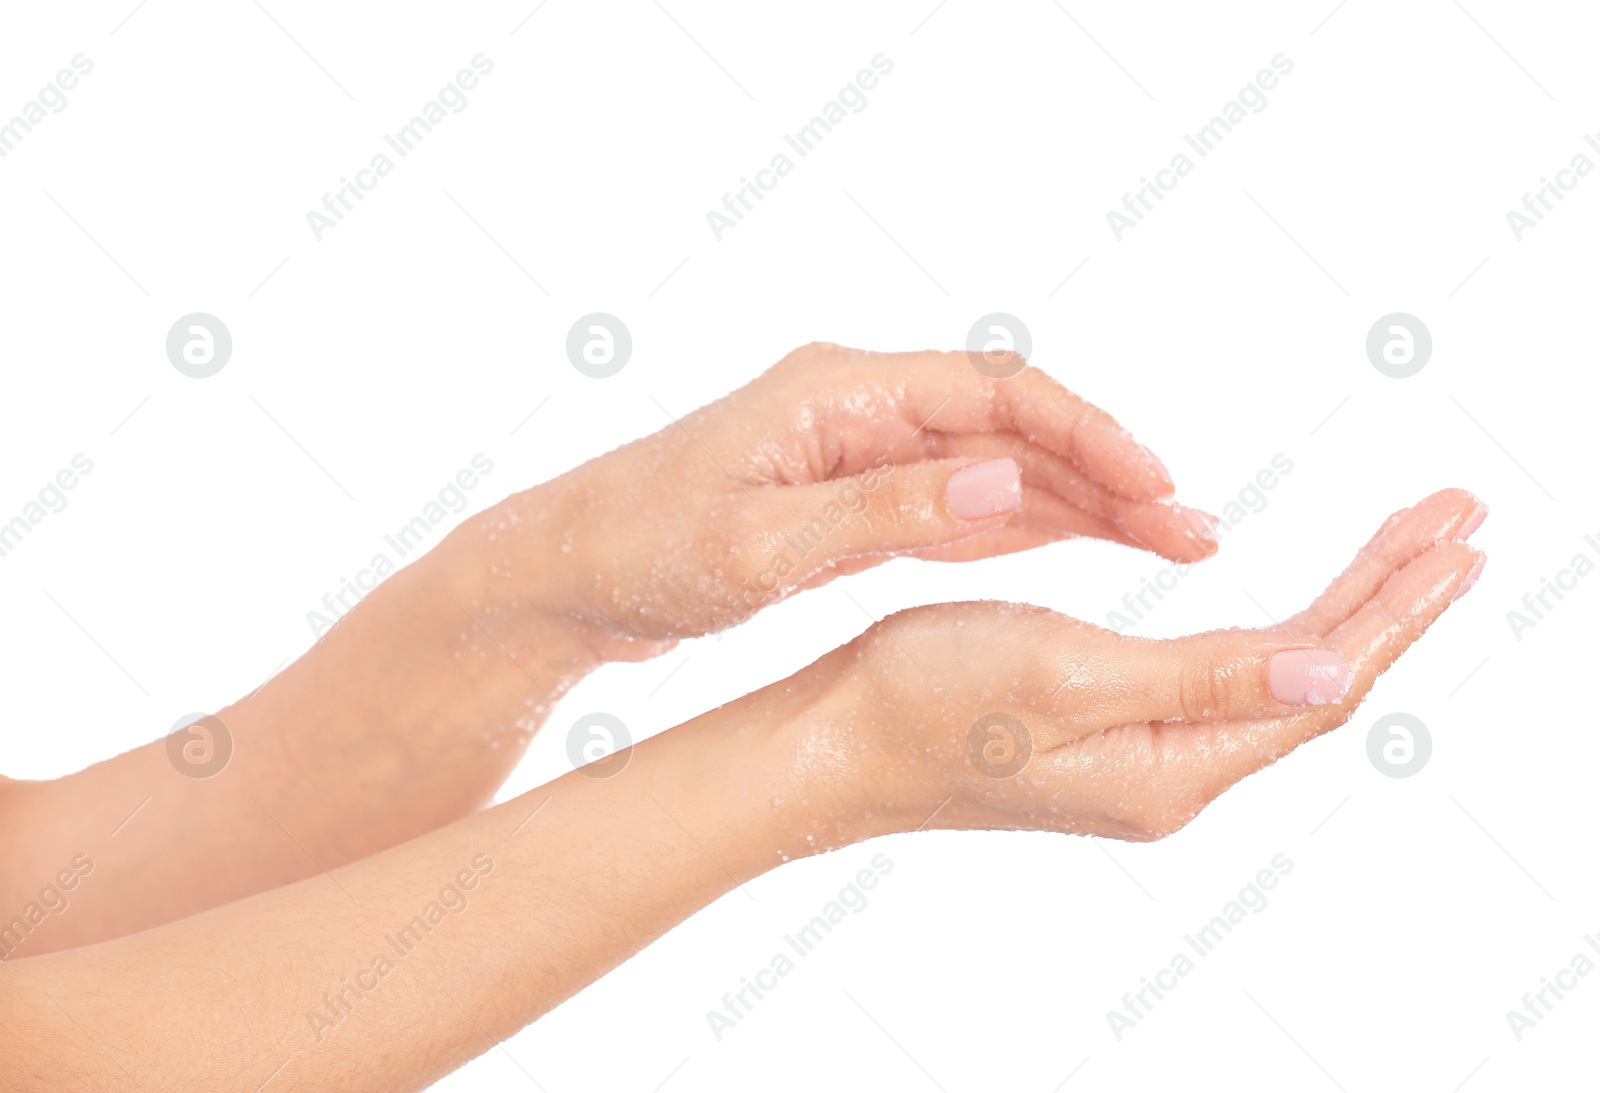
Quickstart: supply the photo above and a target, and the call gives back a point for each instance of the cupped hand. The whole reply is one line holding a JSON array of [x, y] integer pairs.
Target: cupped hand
[[832, 461], [991, 715]]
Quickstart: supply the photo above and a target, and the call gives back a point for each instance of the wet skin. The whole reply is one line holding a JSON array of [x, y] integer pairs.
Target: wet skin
[[374, 754]]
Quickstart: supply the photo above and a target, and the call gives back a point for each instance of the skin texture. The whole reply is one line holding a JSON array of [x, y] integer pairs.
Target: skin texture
[[353, 801]]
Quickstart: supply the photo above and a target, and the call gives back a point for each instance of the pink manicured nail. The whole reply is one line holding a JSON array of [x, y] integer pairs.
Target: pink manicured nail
[[1204, 523], [1473, 522], [1308, 677], [985, 489], [1472, 578]]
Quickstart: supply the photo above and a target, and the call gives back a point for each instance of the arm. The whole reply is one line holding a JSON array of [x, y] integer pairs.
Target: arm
[[404, 717], [303, 987], [411, 712], [345, 982]]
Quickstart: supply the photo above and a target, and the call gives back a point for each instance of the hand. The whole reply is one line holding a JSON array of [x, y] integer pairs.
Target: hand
[[832, 461], [990, 715]]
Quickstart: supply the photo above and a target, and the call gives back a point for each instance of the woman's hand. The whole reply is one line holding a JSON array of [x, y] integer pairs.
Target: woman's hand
[[990, 715], [832, 461]]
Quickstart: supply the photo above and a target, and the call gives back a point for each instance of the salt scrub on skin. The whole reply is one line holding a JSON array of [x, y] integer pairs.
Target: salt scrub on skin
[[1308, 677]]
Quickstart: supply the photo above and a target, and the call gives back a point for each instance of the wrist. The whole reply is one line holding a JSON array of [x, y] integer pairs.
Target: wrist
[[808, 743], [516, 563], [743, 780]]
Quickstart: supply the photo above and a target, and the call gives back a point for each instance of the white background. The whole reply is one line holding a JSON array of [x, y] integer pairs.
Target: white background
[[369, 367]]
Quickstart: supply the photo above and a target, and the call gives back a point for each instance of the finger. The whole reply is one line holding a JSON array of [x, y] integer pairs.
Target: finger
[[1438, 518], [1043, 519], [1040, 467], [1225, 675], [884, 512], [1402, 610], [1174, 531], [1399, 613], [990, 544], [1046, 511], [1044, 411], [942, 391]]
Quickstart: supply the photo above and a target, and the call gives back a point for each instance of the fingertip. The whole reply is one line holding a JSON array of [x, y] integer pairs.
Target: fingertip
[[1309, 677], [1447, 514], [1162, 528], [1158, 478], [1479, 557], [1202, 535], [1122, 463], [1424, 586], [1403, 609]]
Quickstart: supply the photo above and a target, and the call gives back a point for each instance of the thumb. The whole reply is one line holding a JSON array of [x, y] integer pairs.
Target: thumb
[[892, 509], [1226, 675]]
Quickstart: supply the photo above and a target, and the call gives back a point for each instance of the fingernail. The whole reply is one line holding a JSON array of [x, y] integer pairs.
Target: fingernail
[[1308, 677], [985, 489], [1472, 578], [1202, 522], [1473, 522]]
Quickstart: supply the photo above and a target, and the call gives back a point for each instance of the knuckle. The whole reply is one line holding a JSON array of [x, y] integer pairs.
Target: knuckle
[[892, 501], [1206, 687], [1384, 604], [806, 358]]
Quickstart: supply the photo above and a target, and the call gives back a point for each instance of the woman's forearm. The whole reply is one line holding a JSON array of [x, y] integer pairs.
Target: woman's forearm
[[473, 930], [407, 715]]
